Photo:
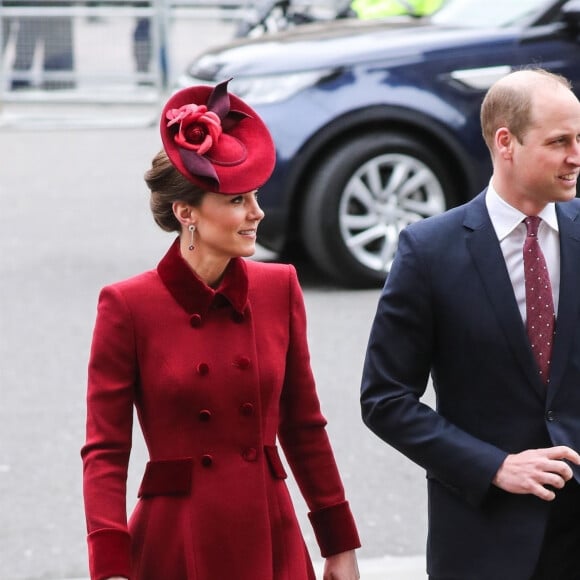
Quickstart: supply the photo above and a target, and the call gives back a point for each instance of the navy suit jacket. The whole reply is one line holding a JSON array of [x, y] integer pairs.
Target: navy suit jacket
[[448, 310]]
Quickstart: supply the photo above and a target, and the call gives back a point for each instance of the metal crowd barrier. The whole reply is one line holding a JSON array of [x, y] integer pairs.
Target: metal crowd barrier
[[92, 51]]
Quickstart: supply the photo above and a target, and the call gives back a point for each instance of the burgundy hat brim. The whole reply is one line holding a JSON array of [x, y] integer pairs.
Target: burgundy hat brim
[[248, 172]]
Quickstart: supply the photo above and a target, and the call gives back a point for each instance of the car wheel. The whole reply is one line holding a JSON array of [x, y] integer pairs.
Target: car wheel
[[362, 196]]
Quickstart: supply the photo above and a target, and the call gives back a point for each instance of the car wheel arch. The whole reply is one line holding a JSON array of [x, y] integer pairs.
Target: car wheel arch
[[415, 124]]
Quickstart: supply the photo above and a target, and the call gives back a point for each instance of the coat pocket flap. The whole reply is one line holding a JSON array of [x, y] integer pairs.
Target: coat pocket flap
[[167, 477]]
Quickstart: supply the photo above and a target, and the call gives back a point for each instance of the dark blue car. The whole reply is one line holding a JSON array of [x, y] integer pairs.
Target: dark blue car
[[376, 123]]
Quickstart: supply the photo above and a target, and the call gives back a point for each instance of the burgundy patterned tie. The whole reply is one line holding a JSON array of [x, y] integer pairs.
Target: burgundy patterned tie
[[539, 301]]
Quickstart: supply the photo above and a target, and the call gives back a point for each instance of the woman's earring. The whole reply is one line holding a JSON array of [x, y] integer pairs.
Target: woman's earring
[[192, 230]]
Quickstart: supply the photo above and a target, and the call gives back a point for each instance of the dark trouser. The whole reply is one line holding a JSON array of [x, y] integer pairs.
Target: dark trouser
[[6, 29], [142, 44], [560, 555], [559, 558], [57, 37]]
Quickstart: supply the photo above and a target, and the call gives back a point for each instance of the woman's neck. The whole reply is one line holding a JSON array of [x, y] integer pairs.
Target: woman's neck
[[207, 268]]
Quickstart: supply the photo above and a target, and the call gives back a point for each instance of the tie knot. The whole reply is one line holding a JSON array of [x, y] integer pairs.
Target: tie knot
[[532, 223]]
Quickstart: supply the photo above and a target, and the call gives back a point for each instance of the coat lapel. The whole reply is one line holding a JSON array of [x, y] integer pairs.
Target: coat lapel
[[569, 300], [487, 256]]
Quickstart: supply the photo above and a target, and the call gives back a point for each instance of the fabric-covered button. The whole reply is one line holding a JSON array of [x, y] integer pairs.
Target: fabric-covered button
[[238, 317], [202, 369], [243, 362], [204, 415], [207, 460], [250, 454], [195, 320], [247, 409]]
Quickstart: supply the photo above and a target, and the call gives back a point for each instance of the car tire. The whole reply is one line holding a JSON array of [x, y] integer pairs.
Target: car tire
[[361, 197]]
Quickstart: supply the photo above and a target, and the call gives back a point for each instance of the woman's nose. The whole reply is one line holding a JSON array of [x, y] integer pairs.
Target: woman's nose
[[256, 211]]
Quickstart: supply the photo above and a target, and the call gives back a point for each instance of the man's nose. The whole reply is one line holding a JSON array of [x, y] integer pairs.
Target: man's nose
[[574, 155]]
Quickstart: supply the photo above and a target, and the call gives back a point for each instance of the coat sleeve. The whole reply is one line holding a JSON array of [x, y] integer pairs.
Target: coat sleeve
[[398, 361], [305, 442], [112, 375]]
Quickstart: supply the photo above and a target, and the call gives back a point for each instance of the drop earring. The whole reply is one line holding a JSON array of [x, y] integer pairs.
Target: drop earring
[[191, 228]]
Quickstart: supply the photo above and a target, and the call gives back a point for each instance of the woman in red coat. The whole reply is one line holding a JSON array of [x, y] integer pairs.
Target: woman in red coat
[[211, 350]]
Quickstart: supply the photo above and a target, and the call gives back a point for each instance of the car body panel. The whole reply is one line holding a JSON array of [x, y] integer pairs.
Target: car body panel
[[405, 93], [412, 76]]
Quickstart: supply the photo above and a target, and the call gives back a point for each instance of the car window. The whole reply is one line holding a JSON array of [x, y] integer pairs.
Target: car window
[[481, 14]]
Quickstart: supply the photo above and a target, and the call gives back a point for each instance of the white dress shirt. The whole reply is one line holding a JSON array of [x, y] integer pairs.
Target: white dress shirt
[[511, 233]]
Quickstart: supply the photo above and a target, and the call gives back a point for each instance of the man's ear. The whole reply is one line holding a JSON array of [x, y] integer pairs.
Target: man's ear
[[504, 142]]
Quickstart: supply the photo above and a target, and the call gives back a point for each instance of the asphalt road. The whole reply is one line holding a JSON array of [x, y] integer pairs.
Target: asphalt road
[[74, 217]]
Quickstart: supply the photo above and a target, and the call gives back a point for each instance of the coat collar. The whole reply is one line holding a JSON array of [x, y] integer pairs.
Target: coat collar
[[194, 295]]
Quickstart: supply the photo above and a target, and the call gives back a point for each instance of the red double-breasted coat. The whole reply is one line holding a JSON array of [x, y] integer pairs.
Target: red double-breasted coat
[[217, 377]]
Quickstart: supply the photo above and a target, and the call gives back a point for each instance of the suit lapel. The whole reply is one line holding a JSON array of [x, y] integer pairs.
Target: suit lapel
[[487, 256], [569, 299]]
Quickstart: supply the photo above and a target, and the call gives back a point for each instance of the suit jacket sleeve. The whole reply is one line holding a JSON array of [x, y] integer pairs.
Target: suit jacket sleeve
[[399, 358], [112, 376], [305, 441]]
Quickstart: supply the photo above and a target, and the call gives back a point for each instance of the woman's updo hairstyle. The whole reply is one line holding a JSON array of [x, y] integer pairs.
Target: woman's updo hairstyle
[[167, 186]]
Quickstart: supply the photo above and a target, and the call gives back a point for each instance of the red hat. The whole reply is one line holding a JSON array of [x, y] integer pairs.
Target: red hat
[[216, 141]]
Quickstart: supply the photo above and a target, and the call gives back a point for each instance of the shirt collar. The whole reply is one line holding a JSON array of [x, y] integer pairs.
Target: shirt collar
[[506, 218]]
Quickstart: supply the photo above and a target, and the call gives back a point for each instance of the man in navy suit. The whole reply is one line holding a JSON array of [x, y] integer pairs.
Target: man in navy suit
[[501, 448]]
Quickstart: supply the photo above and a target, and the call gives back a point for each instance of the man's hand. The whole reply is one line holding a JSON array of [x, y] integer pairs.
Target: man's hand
[[530, 471]]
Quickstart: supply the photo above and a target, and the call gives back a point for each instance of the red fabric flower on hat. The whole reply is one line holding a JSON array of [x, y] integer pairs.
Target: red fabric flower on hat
[[199, 129]]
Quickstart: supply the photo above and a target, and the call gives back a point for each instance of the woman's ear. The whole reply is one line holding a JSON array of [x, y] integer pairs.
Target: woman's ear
[[183, 212]]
